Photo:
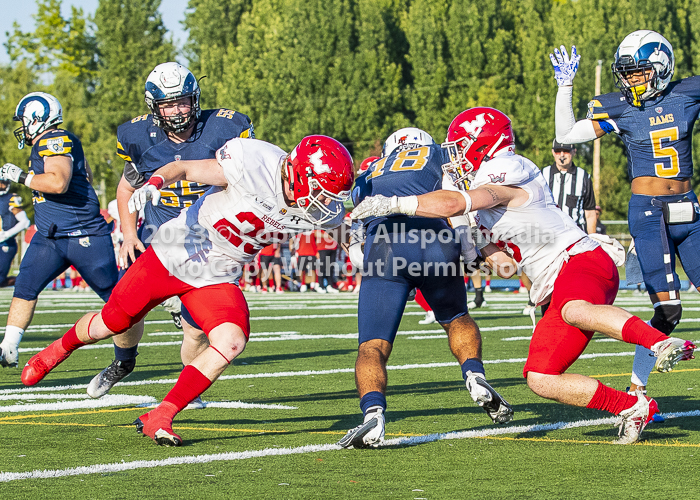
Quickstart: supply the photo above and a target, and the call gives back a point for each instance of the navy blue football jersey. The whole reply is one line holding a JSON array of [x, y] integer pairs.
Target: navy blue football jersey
[[657, 136], [403, 173], [9, 201], [148, 147], [75, 212]]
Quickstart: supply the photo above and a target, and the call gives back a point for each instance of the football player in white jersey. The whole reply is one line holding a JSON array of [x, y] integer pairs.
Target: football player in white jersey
[[570, 271], [261, 194]]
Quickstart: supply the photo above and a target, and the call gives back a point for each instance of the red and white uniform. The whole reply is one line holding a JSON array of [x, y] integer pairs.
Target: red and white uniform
[[212, 240], [539, 235], [562, 262], [200, 255]]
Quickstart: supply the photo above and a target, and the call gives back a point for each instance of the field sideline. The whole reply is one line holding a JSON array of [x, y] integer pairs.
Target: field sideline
[[271, 422]]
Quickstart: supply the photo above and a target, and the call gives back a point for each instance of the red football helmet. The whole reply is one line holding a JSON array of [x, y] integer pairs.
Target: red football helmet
[[320, 169], [367, 162], [475, 136]]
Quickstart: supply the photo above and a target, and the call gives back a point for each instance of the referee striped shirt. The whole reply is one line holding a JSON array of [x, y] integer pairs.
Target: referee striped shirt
[[572, 191]]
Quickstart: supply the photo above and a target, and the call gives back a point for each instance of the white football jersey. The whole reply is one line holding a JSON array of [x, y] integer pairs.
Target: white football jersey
[[537, 232], [211, 241]]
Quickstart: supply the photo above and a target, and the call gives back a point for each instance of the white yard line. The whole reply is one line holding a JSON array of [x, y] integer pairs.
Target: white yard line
[[300, 450]]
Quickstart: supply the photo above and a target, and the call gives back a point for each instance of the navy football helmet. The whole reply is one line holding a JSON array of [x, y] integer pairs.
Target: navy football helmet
[[169, 82], [649, 52]]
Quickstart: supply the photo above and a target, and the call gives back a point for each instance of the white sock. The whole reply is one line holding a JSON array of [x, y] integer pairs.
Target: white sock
[[13, 336], [644, 361]]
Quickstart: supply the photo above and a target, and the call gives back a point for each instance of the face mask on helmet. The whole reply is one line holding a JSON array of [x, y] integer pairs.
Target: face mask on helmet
[[320, 174], [37, 112], [172, 96], [406, 138], [643, 66], [474, 137], [4, 187]]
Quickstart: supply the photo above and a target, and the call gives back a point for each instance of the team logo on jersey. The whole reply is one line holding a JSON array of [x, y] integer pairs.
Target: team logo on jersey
[[318, 165], [660, 120], [272, 222], [223, 155], [497, 178], [55, 145], [473, 128], [659, 110], [283, 211]]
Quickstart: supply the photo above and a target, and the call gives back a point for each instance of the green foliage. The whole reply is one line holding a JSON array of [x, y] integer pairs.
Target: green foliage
[[353, 69]]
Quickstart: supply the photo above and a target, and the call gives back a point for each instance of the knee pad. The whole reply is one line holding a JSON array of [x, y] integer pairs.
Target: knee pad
[[667, 314]]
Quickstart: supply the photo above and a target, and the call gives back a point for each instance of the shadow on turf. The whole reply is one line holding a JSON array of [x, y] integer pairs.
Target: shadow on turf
[[292, 355]]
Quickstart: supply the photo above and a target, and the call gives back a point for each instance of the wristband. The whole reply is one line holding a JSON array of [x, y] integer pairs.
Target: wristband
[[408, 205], [26, 179], [157, 181], [467, 201]]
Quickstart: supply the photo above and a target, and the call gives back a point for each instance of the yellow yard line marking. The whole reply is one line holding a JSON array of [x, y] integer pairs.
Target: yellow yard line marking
[[653, 373], [43, 415]]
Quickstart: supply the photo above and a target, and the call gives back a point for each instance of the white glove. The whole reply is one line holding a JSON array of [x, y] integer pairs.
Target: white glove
[[377, 206], [3, 236], [357, 239], [11, 172], [141, 196], [564, 67]]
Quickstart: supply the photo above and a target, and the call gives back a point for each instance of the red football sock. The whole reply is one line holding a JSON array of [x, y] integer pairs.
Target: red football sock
[[190, 384], [63, 282], [421, 301], [638, 332], [609, 399], [76, 281], [70, 340]]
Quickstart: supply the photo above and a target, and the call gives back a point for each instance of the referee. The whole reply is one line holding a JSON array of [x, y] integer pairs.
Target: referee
[[571, 187]]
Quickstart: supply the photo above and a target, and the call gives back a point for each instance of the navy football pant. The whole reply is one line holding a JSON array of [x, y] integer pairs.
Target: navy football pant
[[92, 256]]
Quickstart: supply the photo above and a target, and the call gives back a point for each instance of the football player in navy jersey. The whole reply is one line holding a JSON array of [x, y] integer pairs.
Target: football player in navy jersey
[[402, 253], [70, 228], [12, 221], [654, 117], [176, 129]]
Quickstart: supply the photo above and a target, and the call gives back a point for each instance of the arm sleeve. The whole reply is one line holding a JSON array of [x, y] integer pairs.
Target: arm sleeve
[[22, 224], [568, 130], [133, 176]]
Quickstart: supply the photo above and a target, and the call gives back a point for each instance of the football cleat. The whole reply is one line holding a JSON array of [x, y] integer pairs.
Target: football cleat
[[670, 351], [177, 320], [484, 395], [43, 362], [107, 378], [196, 404], [158, 428], [474, 305], [9, 356], [657, 418], [633, 420], [369, 434], [429, 318]]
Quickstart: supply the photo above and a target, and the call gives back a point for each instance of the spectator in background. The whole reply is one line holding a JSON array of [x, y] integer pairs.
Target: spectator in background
[[271, 266], [571, 187], [307, 256], [327, 249], [599, 226]]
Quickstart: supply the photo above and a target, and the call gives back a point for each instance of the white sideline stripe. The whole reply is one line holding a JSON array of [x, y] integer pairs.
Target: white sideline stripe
[[32, 396], [305, 373], [105, 401], [300, 450]]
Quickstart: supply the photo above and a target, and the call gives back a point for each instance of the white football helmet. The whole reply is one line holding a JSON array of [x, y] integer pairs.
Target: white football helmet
[[169, 82], [643, 50], [406, 138], [37, 112], [4, 187]]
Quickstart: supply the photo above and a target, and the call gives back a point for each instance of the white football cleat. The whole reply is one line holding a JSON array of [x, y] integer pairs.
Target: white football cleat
[[632, 421], [8, 356], [369, 434], [473, 305], [429, 318], [486, 396], [670, 351]]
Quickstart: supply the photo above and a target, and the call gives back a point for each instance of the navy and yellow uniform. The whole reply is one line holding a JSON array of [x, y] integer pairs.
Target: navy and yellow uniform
[[147, 147], [8, 248], [658, 143], [70, 228], [402, 252]]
